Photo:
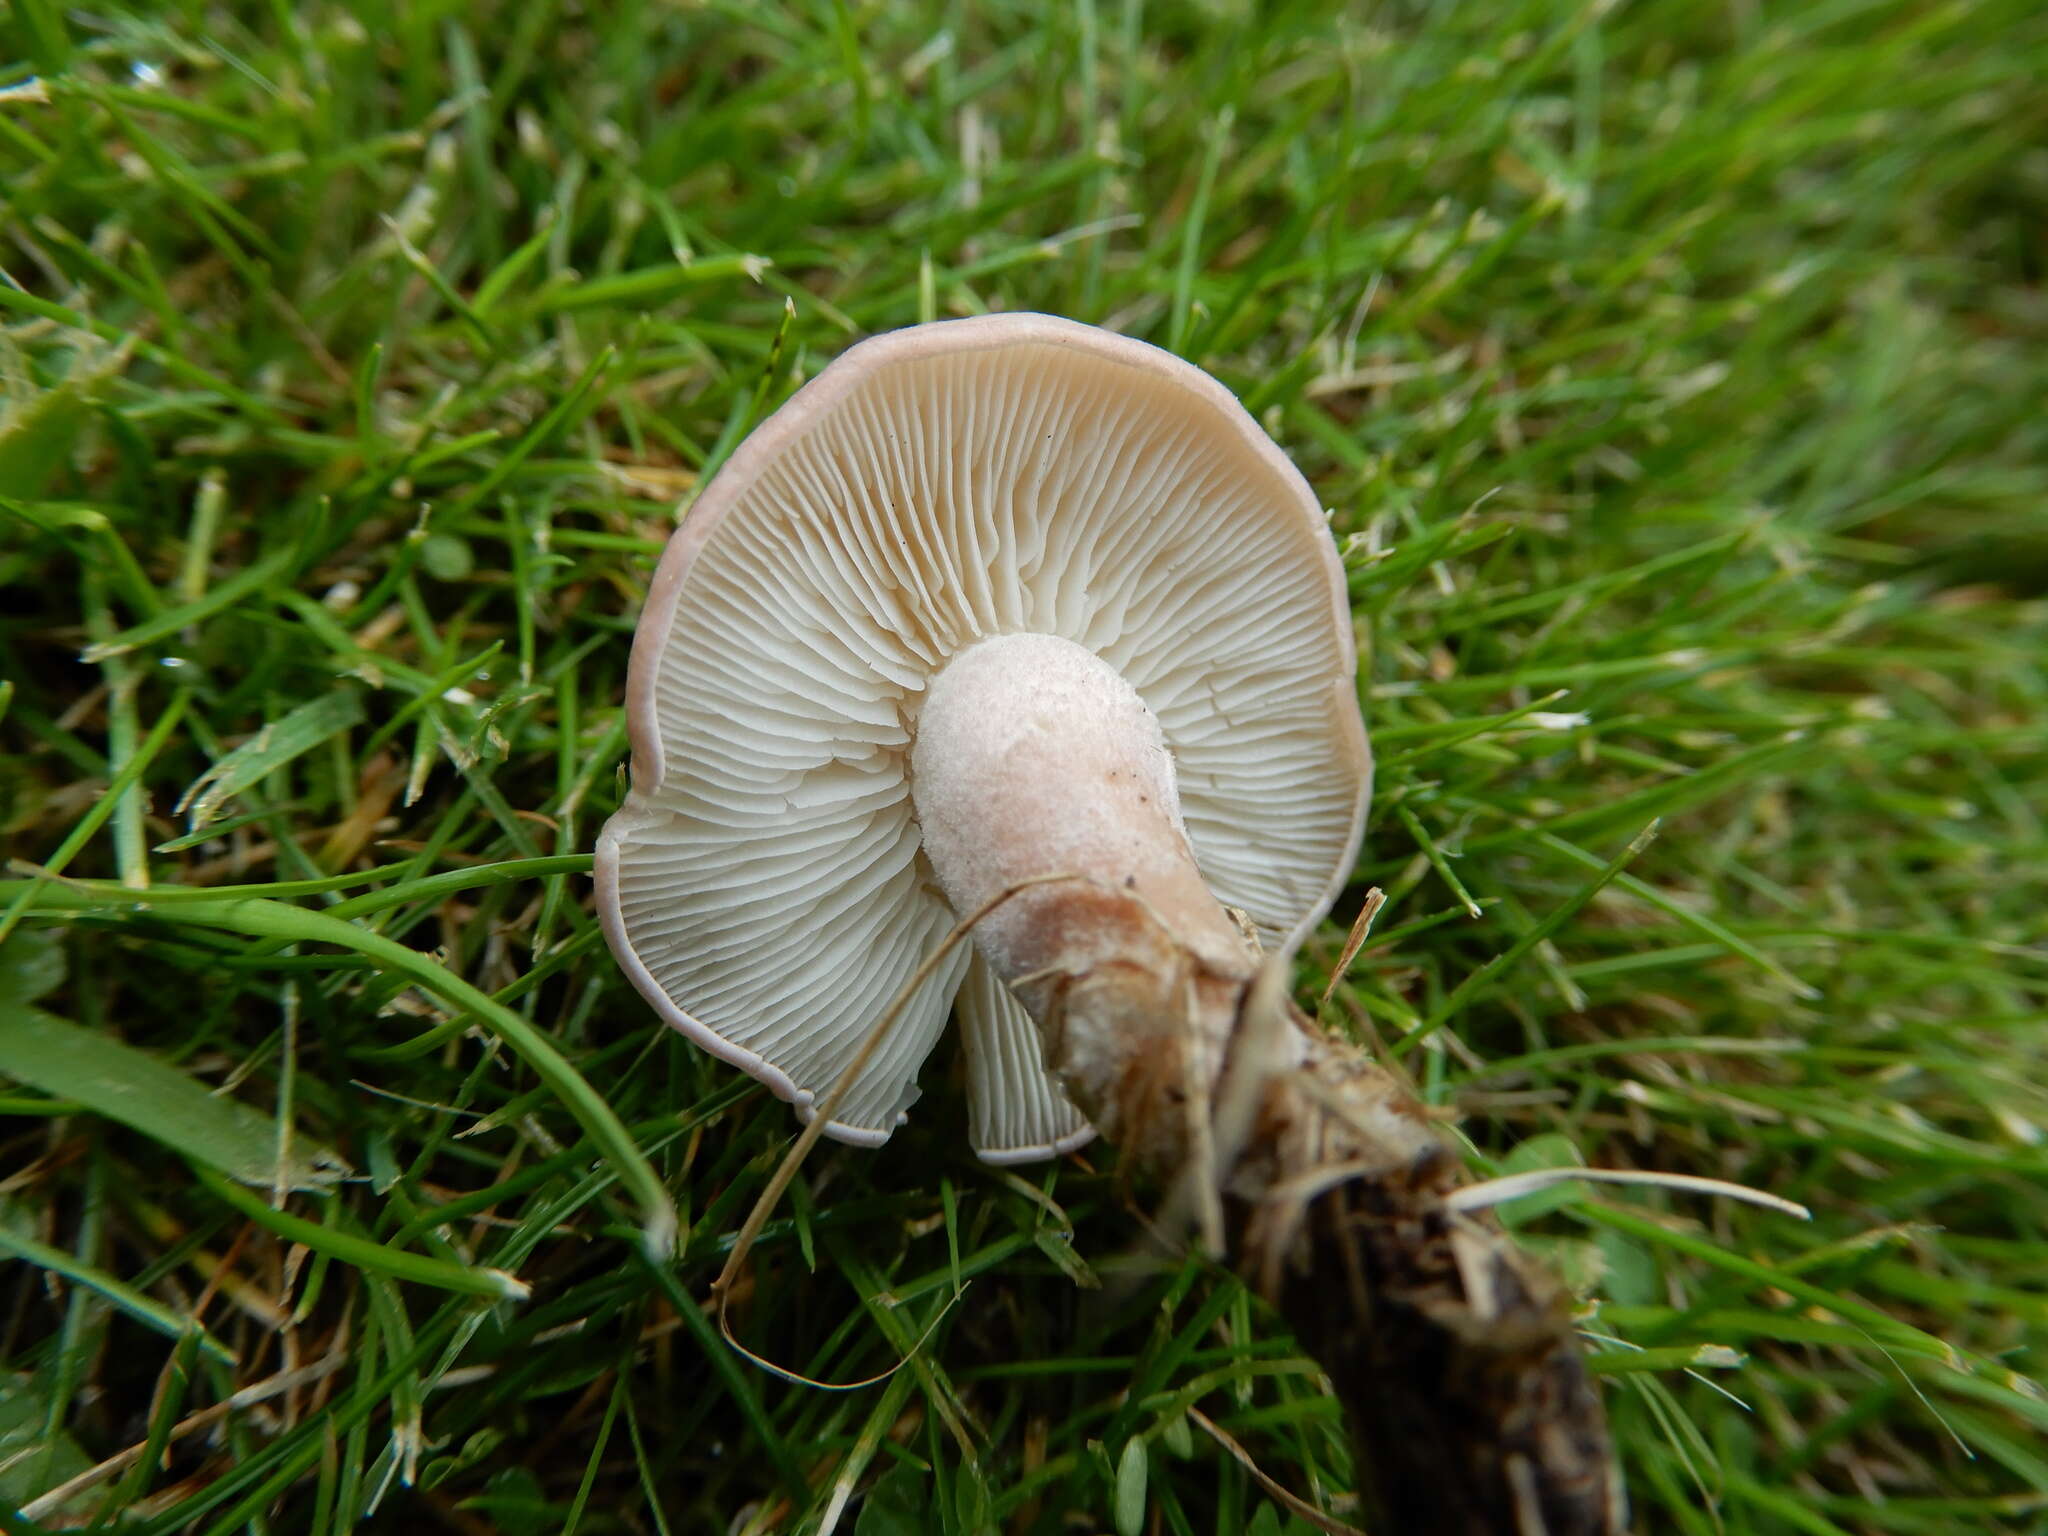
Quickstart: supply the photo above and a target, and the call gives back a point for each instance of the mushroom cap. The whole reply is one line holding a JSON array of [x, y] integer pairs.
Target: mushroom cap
[[763, 883]]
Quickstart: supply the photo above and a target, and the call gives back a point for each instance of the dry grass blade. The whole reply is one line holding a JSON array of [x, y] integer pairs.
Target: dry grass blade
[[49, 1503], [1354, 941], [821, 1116], [1479, 1197], [1287, 1499]]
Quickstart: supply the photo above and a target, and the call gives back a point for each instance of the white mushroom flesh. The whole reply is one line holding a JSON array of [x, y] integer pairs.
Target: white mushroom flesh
[[1034, 759]]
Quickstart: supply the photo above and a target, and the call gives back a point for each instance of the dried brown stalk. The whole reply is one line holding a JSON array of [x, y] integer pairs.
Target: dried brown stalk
[[1454, 1354]]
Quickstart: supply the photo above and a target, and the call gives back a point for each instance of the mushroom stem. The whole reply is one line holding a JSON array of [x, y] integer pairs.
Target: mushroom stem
[[1311, 1167], [1033, 754]]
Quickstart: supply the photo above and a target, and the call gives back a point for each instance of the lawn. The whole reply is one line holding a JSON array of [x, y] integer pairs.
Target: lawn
[[1675, 376]]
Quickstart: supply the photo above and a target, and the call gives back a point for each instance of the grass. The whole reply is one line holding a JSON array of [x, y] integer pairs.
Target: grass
[[1675, 375]]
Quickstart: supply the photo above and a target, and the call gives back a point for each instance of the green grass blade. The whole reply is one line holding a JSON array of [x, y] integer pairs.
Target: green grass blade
[[274, 920], [441, 1274], [1553, 920], [152, 1314], [307, 727], [130, 775], [114, 1079]]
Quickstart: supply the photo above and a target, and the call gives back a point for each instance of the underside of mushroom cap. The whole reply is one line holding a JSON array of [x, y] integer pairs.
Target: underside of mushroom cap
[[763, 884]]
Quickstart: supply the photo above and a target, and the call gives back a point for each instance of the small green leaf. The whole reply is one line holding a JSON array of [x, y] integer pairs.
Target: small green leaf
[[268, 750], [38, 437], [31, 966], [477, 1448], [897, 1505], [1131, 1468], [973, 1508], [32, 1461], [1577, 1261], [1630, 1274], [1058, 1247], [1549, 1150], [115, 1079], [517, 1504], [447, 558], [383, 1163]]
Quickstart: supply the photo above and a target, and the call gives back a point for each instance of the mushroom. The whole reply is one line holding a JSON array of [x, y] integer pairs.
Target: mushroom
[[987, 599], [1014, 621]]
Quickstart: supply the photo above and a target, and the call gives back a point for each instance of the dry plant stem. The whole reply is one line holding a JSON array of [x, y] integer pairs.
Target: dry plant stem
[[1453, 1354], [1279, 1492]]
